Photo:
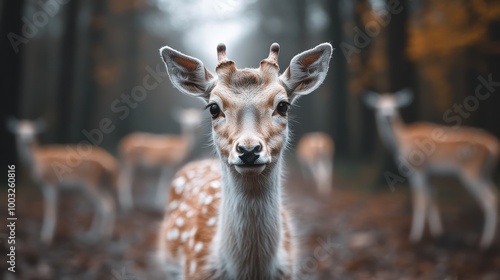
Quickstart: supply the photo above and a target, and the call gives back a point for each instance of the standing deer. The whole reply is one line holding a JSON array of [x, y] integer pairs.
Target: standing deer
[[471, 154], [166, 152], [315, 153], [56, 167], [225, 218]]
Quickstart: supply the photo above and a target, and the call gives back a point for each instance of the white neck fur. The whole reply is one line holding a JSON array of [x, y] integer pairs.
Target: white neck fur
[[388, 129], [249, 231]]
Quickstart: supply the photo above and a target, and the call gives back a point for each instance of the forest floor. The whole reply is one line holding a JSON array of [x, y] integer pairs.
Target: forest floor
[[356, 233]]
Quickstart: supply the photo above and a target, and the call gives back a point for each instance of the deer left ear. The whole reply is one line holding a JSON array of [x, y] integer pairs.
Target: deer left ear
[[371, 99], [307, 71], [39, 125], [12, 124], [403, 97]]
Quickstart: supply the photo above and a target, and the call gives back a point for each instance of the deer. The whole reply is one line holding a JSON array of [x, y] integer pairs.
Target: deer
[[315, 154], [429, 149], [164, 151], [225, 218], [74, 167]]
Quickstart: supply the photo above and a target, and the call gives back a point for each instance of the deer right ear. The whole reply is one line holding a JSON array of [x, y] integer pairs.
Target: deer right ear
[[188, 74], [403, 97], [371, 99], [39, 125], [12, 124]]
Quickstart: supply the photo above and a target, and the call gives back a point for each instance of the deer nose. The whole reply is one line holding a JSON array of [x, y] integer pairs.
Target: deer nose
[[249, 154]]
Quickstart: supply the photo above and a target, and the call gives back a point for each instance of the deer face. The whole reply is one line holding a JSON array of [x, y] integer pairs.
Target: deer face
[[249, 107], [250, 122], [25, 130], [387, 105]]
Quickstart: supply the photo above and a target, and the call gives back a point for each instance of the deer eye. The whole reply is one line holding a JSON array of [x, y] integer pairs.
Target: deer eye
[[282, 108], [214, 110]]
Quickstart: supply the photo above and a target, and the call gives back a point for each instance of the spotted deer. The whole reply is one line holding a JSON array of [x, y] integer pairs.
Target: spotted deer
[[164, 151], [426, 148], [225, 218], [57, 167], [315, 153]]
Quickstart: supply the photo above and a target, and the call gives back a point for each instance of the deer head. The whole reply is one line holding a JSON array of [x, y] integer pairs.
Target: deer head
[[249, 107]]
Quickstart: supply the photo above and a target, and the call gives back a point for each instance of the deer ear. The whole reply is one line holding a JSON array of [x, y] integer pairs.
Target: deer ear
[[188, 74], [371, 99], [39, 125], [307, 71], [12, 124], [403, 97]]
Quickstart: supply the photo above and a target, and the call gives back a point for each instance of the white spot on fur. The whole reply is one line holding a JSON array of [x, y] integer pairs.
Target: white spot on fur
[[192, 267], [198, 247], [184, 236], [183, 206], [201, 197], [179, 222], [208, 199], [173, 234], [173, 204], [190, 213], [211, 221], [179, 184], [191, 243], [204, 210], [191, 174]]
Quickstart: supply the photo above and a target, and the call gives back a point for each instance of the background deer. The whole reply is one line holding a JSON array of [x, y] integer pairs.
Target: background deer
[[315, 153], [225, 218], [471, 154], [54, 167], [166, 152]]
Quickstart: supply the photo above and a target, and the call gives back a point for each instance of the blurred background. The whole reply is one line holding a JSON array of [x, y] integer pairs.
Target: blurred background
[[74, 63]]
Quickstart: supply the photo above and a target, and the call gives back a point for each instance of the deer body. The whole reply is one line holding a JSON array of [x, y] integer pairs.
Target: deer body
[[166, 152], [315, 153], [153, 150], [225, 218], [468, 153], [54, 167]]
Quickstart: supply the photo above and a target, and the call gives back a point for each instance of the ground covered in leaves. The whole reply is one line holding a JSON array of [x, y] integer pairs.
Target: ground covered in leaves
[[356, 233]]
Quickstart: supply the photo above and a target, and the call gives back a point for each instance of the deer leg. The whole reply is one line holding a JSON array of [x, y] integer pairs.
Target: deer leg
[[490, 201], [486, 194], [106, 207], [100, 213], [125, 188], [434, 219], [315, 175], [323, 174], [420, 204], [50, 213], [306, 170], [163, 186]]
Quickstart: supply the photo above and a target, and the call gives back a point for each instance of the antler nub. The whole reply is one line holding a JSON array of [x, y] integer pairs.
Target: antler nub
[[274, 52], [271, 62], [222, 61], [221, 53]]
